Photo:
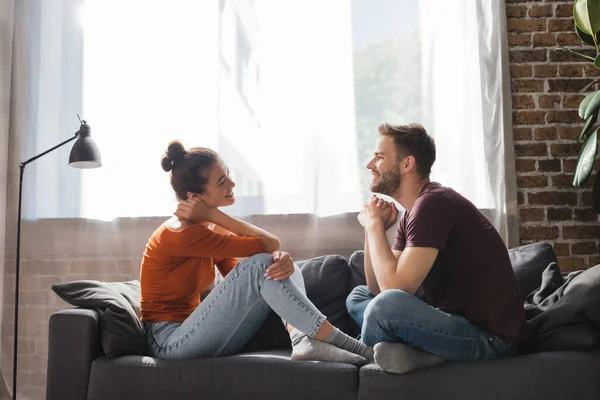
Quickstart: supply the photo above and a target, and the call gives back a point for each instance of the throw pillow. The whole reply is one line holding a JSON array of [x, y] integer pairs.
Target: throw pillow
[[118, 304]]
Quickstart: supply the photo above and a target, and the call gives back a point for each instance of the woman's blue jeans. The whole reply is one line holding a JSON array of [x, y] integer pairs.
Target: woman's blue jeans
[[232, 313], [396, 316]]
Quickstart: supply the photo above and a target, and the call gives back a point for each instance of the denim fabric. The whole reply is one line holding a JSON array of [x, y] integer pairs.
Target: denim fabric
[[396, 316], [232, 313]]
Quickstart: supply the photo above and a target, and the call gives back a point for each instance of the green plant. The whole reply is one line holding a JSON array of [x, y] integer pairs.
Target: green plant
[[586, 14]]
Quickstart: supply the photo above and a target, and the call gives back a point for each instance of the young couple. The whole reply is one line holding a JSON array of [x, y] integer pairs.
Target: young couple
[[469, 306]]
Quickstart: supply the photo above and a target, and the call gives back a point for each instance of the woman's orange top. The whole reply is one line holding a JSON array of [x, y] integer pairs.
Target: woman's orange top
[[178, 266]]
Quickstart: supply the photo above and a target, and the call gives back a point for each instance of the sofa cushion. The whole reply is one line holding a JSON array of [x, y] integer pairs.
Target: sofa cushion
[[117, 304], [528, 262], [326, 281], [265, 375], [552, 375]]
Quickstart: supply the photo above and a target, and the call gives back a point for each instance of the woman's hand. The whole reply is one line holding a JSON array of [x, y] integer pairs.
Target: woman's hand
[[283, 267], [193, 211]]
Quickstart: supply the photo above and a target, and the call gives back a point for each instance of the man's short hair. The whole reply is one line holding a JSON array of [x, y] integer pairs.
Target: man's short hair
[[412, 140]]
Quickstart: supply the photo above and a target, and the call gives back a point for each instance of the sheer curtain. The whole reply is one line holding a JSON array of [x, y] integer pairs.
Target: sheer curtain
[[6, 53], [468, 105]]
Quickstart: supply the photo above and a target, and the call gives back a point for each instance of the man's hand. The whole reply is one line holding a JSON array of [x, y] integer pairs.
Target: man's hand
[[393, 216], [193, 211], [377, 211], [283, 267]]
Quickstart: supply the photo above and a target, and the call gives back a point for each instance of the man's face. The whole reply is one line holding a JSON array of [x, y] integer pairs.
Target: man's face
[[385, 169]]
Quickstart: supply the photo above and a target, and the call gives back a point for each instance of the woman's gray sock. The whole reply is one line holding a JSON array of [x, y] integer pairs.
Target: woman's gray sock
[[305, 348], [343, 341], [399, 358]]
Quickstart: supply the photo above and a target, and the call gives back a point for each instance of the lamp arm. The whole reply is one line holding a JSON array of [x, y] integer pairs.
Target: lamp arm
[[24, 163]]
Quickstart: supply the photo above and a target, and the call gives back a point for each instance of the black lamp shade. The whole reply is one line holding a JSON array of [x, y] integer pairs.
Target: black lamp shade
[[85, 153]]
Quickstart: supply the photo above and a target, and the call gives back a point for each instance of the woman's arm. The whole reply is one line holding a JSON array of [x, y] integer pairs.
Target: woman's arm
[[197, 211]]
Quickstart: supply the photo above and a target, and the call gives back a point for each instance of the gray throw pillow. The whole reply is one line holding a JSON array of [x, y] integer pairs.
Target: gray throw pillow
[[118, 304]]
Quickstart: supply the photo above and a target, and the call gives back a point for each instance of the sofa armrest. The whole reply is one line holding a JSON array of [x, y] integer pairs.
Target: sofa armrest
[[73, 343]]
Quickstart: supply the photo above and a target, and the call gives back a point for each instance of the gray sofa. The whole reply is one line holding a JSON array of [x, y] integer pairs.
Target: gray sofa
[[77, 368]]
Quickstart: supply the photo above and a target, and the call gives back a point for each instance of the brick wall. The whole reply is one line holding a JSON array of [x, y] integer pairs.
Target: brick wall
[[546, 127]]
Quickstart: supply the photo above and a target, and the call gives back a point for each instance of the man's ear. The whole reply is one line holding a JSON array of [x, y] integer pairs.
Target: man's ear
[[409, 163]]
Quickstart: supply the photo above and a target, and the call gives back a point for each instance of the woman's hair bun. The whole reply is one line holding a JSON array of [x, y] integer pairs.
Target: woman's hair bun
[[174, 154]]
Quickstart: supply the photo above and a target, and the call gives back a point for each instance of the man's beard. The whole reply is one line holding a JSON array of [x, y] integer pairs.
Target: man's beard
[[388, 183]]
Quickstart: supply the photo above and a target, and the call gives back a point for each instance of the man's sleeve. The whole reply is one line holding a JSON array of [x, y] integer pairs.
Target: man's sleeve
[[430, 222]]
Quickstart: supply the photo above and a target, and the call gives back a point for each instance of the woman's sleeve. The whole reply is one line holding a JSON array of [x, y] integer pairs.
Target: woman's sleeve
[[226, 265], [199, 241]]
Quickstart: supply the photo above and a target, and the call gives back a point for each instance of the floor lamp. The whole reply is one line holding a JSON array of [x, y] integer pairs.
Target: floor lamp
[[84, 155]]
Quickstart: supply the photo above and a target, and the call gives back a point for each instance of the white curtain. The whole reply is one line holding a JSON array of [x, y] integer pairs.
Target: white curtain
[[466, 91], [6, 55]]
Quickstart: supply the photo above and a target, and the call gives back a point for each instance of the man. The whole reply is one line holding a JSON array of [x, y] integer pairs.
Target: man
[[469, 306]]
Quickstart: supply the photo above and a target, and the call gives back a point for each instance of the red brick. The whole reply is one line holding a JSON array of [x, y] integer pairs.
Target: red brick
[[531, 214], [560, 214], [522, 1], [528, 181], [531, 150], [568, 39], [563, 181], [544, 39], [544, 71], [514, 11], [549, 165], [521, 102], [593, 261], [525, 165], [564, 149], [527, 25], [520, 71], [527, 56], [586, 198], [581, 232], [528, 85], [552, 198], [562, 55], [570, 70], [567, 85], [570, 264], [546, 101], [528, 117], [563, 116], [561, 249], [560, 25], [564, 10], [584, 248], [569, 132], [590, 70], [538, 232], [572, 101], [522, 133], [586, 214], [544, 133], [520, 198], [519, 39], [545, 10]]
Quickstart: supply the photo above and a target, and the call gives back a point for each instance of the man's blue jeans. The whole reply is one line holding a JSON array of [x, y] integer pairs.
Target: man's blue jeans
[[396, 316]]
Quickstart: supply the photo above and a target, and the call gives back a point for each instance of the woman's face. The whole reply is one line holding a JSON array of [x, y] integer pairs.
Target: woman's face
[[218, 191]]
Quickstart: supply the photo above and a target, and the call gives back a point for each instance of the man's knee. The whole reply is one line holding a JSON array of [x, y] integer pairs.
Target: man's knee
[[388, 304]]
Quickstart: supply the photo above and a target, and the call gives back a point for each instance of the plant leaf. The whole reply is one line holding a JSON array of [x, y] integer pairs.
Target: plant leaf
[[588, 124], [597, 61], [586, 87], [587, 39], [587, 156], [580, 54], [584, 104], [596, 193], [593, 105], [587, 16]]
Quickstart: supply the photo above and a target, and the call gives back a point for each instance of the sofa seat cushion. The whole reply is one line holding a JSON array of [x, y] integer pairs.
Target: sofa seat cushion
[[256, 375], [550, 375]]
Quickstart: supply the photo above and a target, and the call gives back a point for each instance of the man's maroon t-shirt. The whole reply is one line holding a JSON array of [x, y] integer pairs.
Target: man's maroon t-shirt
[[472, 274]]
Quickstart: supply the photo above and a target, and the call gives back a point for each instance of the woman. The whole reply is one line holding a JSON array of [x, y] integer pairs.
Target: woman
[[179, 263]]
